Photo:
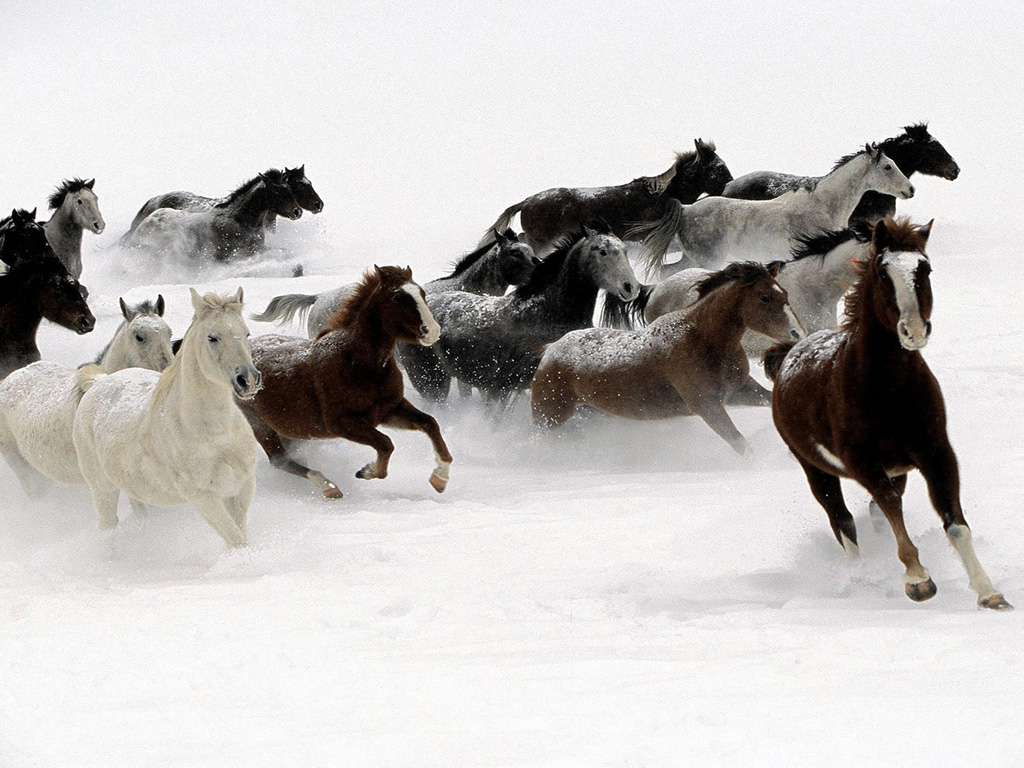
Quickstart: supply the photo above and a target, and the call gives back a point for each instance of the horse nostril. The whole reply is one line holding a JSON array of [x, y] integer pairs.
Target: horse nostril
[[794, 335], [629, 287], [928, 328]]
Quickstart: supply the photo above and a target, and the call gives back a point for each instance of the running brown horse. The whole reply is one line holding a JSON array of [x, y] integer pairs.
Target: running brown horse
[[861, 403], [685, 362], [346, 383]]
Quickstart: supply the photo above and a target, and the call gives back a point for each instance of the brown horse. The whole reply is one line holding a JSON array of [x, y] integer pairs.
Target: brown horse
[[861, 403], [346, 382], [685, 362]]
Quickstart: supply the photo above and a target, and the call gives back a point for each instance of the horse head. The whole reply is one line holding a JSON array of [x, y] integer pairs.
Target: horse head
[[146, 336], [79, 202], [516, 260], [883, 175], [60, 297], [21, 237], [220, 340], [605, 259], [280, 197], [928, 155], [901, 269], [712, 172], [303, 190], [403, 311]]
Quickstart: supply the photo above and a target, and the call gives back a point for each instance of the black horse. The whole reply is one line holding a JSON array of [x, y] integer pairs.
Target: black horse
[[914, 151], [548, 216], [36, 285]]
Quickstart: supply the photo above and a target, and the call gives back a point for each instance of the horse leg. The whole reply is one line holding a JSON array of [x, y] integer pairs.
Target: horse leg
[[238, 506], [942, 475], [552, 397], [214, 511], [885, 491], [33, 482], [828, 492], [104, 498], [139, 508], [277, 452], [751, 392], [878, 521], [408, 416], [715, 416]]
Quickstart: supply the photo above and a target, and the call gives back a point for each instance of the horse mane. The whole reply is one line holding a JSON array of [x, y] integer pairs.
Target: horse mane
[[473, 257], [847, 158], [660, 183], [902, 236], [372, 280], [272, 174], [56, 199], [145, 307], [545, 272], [916, 133], [742, 272]]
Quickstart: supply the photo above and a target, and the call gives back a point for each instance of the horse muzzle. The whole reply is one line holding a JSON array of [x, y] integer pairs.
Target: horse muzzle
[[951, 173], [296, 213], [247, 382], [98, 226], [429, 334], [85, 324], [908, 192], [629, 291], [913, 334], [317, 206]]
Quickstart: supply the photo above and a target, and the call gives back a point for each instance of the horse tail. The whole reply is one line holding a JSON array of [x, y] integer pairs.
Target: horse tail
[[625, 314], [282, 309], [773, 357], [503, 223], [656, 236], [85, 378]]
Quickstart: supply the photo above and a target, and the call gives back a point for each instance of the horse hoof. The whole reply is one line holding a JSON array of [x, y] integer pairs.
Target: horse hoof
[[996, 602], [332, 491], [438, 483], [921, 591]]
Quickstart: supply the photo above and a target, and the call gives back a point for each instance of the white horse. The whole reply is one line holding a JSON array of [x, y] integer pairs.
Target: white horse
[[38, 402], [177, 437], [76, 208], [715, 230], [822, 270]]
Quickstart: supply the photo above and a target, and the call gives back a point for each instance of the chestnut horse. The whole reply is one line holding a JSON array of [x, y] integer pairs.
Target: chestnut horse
[[345, 383], [861, 403], [685, 362]]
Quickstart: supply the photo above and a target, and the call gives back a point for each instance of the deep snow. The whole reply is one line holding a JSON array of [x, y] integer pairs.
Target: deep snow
[[617, 593]]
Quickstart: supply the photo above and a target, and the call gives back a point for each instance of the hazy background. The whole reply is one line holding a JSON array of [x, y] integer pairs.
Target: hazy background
[[419, 125]]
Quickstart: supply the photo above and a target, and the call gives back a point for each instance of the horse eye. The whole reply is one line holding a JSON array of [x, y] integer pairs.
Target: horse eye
[[926, 268], [79, 201], [888, 167], [766, 299], [213, 339], [139, 338]]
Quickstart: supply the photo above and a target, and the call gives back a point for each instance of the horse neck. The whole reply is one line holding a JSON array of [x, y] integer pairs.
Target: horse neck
[[65, 237], [114, 356], [197, 403], [20, 314], [839, 192], [572, 296], [875, 347], [484, 276], [684, 186], [251, 208], [902, 152], [717, 317], [816, 284], [370, 343]]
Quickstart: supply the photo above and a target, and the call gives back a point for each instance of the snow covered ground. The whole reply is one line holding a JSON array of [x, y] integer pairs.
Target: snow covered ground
[[614, 594]]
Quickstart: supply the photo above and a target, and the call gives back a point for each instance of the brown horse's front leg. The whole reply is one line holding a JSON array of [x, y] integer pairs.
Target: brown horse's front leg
[[277, 452], [715, 416], [408, 416], [368, 434], [751, 392]]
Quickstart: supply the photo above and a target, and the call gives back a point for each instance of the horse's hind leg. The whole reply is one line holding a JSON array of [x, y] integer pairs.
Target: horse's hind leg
[[942, 475], [215, 512], [408, 416], [277, 452], [238, 506], [33, 482], [104, 497], [552, 398], [829, 493]]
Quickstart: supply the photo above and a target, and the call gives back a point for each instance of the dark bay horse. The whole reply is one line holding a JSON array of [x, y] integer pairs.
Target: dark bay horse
[[231, 228], [547, 216], [862, 403], [685, 362], [294, 178], [346, 383], [914, 151], [494, 343], [36, 285]]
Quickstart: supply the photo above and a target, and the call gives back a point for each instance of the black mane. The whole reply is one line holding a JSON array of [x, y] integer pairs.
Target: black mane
[[549, 268], [56, 200], [473, 257], [273, 175]]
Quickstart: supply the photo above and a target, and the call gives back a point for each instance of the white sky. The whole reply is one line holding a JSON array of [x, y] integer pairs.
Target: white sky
[[419, 125]]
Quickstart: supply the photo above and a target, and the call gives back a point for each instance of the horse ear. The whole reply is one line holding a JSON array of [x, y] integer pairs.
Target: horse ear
[[197, 301], [89, 183], [302, 169], [237, 298], [881, 236], [774, 267], [32, 215], [499, 237], [125, 312], [160, 305], [926, 230], [703, 148]]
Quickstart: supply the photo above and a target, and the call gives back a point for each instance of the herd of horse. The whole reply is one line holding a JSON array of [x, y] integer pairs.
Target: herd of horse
[[764, 260]]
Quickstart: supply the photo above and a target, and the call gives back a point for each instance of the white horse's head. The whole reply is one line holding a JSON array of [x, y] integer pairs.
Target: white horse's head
[[145, 339], [219, 338], [609, 265], [82, 206], [883, 175]]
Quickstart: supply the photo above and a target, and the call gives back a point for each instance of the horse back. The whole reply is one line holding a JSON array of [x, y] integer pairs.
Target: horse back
[[764, 185]]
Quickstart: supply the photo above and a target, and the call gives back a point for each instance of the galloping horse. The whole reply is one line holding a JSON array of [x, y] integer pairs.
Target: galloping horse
[[76, 208], [294, 178], [231, 228], [861, 403], [914, 151], [176, 437], [36, 285], [38, 402], [548, 216], [346, 383], [683, 363], [719, 229], [490, 269], [494, 343]]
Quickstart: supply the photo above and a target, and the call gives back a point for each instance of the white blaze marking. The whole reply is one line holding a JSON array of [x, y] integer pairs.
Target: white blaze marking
[[426, 317]]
